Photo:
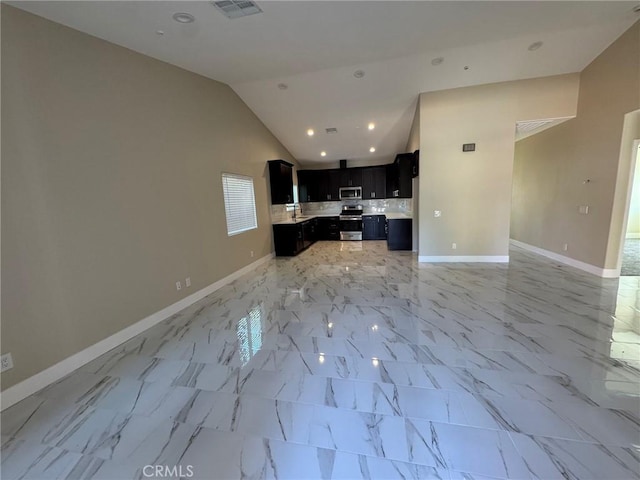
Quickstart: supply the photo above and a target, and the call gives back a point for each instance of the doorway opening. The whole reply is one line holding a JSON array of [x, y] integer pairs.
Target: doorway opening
[[630, 262]]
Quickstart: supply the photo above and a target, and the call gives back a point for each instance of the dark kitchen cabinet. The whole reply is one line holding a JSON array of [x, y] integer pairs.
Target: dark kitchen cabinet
[[347, 177], [399, 175], [336, 177], [288, 239], [354, 177], [392, 180], [291, 239], [328, 228], [405, 169], [343, 177], [281, 181], [373, 227], [317, 186], [309, 235], [415, 164], [374, 183], [326, 190], [399, 234], [379, 182], [340, 178], [308, 186]]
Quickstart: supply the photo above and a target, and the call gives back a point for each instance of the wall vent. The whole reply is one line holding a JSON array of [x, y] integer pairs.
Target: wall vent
[[237, 8], [331, 130]]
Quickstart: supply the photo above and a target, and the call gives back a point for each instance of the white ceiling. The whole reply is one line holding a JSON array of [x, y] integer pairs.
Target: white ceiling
[[314, 47]]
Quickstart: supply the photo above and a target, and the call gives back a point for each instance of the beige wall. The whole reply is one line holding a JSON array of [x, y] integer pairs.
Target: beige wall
[[111, 188], [413, 144], [551, 168], [473, 189]]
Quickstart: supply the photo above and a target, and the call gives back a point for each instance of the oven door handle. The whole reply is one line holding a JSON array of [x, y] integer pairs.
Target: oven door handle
[[350, 217]]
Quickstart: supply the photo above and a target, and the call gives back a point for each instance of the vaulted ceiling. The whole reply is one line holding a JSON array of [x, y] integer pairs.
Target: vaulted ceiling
[[294, 63]]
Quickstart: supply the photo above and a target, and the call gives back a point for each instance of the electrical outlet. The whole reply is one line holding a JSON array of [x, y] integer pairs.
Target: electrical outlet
[[583, 209], [251, 253], [187, 282], [178, 286], [437, 213], [7, 362], [454, 246], [565, 247]]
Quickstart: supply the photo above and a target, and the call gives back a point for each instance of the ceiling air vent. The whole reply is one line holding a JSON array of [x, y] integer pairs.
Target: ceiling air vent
[[331, 130], [237, 8], [527, 128], [530, 125]]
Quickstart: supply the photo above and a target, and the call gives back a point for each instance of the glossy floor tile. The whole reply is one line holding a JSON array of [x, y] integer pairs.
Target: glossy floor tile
[[350, 361]]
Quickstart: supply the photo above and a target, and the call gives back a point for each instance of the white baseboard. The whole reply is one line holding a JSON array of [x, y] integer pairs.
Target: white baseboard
[[31, 385], [632, 235], [572, 262], [463, 258]]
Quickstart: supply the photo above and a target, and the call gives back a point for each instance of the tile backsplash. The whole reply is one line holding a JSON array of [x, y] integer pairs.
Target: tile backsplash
[[388, 205]]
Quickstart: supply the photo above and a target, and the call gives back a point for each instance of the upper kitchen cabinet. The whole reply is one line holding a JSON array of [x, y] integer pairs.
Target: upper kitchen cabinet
[[343, 177], [415, 166], [348, 177], [281, 181], [313, 185], [374, 183], [399, 175], [307, 186]]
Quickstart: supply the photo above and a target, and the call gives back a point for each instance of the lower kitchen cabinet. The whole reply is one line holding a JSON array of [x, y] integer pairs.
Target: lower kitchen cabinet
[[328, 228], [288, 239], [291, 239], [399, 233], [373, 227]]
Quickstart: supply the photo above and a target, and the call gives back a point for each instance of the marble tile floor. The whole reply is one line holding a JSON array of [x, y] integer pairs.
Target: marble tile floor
[[350, 361]]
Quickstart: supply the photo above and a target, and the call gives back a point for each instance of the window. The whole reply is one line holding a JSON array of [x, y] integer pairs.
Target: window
[[239, 203]]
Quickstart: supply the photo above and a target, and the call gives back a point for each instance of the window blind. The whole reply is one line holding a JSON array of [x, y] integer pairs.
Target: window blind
[[239, 203]]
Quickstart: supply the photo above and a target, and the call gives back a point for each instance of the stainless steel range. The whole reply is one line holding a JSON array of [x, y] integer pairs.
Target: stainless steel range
[[351, 222]]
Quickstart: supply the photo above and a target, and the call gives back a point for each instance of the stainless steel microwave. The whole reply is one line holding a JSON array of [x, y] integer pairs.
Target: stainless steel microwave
[[350, 193]]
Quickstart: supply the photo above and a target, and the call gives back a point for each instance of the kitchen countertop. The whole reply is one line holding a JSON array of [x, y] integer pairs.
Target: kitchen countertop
[[395, 216], [304, 218]]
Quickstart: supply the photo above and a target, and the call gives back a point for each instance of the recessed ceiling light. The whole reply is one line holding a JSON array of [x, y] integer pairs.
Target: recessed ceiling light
[[358, 74], [310, 132], [323, 154], [183, 17], [371, 126], [535, 46], [437, 61], [283, 86], [372, 149], [159, 32]]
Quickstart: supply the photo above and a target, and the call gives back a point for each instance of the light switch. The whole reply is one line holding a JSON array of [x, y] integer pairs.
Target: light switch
[[583, 209]]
